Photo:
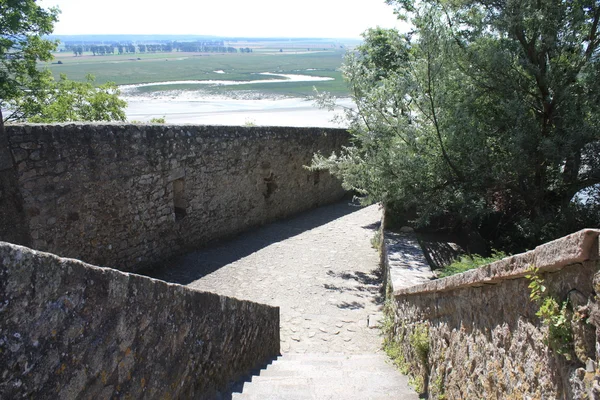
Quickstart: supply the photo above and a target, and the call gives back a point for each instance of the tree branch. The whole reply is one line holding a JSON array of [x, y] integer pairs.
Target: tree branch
[[458, 174], [592, 36]]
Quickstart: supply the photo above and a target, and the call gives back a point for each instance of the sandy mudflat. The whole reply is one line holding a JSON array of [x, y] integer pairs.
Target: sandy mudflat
[[219, 110], [234, 108]]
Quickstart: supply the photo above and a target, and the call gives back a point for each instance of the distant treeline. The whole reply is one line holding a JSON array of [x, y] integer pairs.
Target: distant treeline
[[214, 46], [186, 38]]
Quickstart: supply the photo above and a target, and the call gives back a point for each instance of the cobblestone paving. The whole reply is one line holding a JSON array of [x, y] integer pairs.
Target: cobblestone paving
[[318, 267]]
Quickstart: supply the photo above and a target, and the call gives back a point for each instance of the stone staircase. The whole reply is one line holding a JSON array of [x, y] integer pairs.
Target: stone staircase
[[327, 376]]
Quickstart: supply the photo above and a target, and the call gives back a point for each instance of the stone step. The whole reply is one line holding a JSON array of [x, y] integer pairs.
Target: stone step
[[327, 376]]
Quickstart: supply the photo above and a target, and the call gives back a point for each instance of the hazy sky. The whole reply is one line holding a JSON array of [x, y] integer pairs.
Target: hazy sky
[[254, 18]]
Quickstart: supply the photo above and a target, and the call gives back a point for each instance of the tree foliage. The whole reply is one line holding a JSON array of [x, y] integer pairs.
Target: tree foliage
[[22, 25], [65, 100], [28, 93], [485, 117]]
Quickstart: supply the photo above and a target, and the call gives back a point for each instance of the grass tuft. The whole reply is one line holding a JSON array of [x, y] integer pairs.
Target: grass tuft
[[469, 262]]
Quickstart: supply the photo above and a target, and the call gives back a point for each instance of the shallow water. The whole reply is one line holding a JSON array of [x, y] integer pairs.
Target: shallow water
[[131, 89]]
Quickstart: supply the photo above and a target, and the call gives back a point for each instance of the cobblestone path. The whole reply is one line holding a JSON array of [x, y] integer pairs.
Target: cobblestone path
[[318, 267]]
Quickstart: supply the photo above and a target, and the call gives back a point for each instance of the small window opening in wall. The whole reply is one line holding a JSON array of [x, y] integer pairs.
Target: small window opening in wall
[[270, 186], [179, 202], [316, 177]]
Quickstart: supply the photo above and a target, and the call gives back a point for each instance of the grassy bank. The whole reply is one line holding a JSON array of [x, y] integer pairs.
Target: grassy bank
[[159, 67]]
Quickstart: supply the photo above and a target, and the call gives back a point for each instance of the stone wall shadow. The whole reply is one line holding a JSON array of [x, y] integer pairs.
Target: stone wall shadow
[[197, 264], [237, 387], [368, 285], [441, 250]]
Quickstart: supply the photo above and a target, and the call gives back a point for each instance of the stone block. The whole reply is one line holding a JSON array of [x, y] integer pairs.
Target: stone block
[[575, 248]]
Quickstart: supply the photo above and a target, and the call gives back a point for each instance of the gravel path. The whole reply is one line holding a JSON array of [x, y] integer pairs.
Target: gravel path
[[318, 267]]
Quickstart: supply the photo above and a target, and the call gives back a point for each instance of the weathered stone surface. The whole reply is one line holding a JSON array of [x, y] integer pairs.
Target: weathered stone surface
[[71, 330], [318, 376], [6, 158], [12, 216], [164, 189], [577, 247], [485, 339], [404, 260]]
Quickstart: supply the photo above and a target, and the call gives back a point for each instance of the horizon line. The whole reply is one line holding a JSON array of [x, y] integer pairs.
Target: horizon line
[[203, 35]]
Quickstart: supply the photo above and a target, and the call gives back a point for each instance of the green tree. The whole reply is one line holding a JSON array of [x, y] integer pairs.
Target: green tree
[[484, 118], [65, 100], [22, 25], [29, 93]]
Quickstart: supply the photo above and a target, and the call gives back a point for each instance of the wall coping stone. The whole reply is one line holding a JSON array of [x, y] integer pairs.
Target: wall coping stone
[[18, 252], [575, 248], [186, 125], [405, 262]]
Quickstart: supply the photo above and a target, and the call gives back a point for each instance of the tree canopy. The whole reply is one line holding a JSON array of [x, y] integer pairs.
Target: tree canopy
[[65, 101], [29, 93], [22, 25], [483, 118]]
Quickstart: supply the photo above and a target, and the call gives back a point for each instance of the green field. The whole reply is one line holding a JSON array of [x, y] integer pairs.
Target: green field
[[177, 66]]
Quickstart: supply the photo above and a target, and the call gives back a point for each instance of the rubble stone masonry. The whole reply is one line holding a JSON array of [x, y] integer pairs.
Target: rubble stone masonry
[[70, 330], [128, 196], [484, 337]]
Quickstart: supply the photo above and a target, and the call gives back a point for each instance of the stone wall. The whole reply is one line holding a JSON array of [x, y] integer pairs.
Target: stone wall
[[126, 196], [12, 214], [476, 335], [71, 330]]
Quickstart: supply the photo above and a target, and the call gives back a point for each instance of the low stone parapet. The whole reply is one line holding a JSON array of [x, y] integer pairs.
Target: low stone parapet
[[72, 330], [550, 257], [480, 334]]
